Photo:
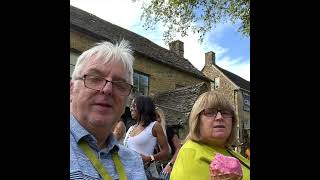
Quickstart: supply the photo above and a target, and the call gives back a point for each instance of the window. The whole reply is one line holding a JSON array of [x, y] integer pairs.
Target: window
[[140, 83]]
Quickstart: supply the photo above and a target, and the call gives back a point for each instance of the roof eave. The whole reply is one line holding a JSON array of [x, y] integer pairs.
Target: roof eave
[[99, 37]]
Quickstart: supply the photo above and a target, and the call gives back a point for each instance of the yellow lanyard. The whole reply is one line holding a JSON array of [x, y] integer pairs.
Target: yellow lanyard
[[98, 165]]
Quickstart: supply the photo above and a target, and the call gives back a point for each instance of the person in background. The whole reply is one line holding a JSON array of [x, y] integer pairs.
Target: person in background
[[146, 134], [119, 130], [99, 89], [159, 117], [248, 152], [212, 130], [173, 140]]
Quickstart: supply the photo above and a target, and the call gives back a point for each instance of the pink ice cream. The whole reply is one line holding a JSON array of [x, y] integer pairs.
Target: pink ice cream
[[226, 164]]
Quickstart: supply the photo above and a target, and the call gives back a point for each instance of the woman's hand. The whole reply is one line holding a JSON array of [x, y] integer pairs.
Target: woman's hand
[[167, 170], [145, 159], [219, 175]]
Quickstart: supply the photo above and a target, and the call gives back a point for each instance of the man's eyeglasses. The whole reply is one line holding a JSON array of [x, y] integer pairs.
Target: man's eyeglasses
[[98, 83], [212, 112]]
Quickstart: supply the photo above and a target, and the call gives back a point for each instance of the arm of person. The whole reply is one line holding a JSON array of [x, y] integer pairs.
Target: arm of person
[[157, 132], [123, 130], [115, 132], [177, 144], [119, 130]]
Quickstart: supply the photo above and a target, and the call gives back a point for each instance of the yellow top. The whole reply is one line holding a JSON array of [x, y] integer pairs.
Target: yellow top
[[194, 159]]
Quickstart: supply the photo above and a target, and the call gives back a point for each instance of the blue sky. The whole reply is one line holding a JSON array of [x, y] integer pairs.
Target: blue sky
[[231, 48]]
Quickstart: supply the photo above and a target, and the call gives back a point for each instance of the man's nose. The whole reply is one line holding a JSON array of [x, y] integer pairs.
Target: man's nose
[[107, 89]]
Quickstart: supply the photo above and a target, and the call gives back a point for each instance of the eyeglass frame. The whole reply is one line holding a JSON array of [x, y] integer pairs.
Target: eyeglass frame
[[218, 110], [84, 77]]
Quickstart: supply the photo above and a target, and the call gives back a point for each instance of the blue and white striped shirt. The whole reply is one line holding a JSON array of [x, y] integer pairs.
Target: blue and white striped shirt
[[81, 167]]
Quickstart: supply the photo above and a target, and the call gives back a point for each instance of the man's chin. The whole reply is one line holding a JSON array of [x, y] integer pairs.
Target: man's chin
[[101, 120]]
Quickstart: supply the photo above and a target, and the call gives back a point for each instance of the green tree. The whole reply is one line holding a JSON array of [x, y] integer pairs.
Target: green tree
[[200, 16]]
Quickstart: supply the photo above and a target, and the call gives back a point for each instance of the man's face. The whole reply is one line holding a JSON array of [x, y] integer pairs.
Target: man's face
[[98, 109]]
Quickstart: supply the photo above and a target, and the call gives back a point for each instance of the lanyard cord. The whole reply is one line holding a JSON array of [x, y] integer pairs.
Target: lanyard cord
[[98, 165], [248, 167]]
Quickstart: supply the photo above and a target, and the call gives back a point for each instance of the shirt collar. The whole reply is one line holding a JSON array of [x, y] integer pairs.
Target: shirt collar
[[80, 132]]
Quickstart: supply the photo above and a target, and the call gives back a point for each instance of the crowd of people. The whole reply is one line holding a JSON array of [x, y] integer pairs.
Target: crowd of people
[[102, 147]]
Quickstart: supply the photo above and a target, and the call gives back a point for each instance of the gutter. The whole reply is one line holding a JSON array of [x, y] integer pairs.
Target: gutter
[[243, 89], [237, 112]]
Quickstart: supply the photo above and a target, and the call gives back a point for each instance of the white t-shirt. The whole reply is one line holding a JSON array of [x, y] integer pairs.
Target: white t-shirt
[[143, 143]]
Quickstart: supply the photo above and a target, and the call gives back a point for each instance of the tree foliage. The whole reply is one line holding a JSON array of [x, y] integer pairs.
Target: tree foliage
[[199, 16]]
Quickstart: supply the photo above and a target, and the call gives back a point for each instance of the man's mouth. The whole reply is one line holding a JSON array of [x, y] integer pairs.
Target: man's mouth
[[104, 105], [219, 126]]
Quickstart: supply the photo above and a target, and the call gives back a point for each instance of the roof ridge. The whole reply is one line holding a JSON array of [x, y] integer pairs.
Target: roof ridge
[[241, 82], [232, 73]]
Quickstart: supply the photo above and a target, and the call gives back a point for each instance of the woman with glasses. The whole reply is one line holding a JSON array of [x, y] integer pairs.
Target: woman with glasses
[[146, 134], [212, 130]]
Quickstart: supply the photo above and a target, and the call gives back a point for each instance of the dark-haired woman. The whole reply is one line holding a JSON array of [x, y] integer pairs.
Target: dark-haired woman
[[146, 134]]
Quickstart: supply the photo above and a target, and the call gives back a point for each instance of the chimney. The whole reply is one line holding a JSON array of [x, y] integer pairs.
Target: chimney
[[177, 47], [210, 58]]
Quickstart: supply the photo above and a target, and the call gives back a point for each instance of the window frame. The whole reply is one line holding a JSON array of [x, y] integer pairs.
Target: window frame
[[138, 87]]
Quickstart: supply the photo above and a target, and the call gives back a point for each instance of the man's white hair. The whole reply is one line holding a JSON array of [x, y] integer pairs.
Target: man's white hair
[[106, 52]]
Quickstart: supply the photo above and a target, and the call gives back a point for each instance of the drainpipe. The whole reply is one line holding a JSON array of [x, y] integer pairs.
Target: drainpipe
[[237, 114]]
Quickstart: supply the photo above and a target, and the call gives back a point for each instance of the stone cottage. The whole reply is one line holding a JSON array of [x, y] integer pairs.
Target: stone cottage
[[236, 89]]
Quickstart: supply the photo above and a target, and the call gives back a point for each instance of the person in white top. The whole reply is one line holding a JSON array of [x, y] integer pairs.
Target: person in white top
[[146, 134]]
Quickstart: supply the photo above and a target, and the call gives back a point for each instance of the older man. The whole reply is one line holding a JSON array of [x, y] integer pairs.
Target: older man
[[99, 89]]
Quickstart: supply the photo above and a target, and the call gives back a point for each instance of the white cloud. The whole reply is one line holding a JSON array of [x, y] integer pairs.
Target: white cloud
[[237, 66], [126, 13], [123, 13]]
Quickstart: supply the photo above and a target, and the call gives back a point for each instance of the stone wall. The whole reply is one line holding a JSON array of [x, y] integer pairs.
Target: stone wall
[[163, 77], [81, 42], [226, 87]]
